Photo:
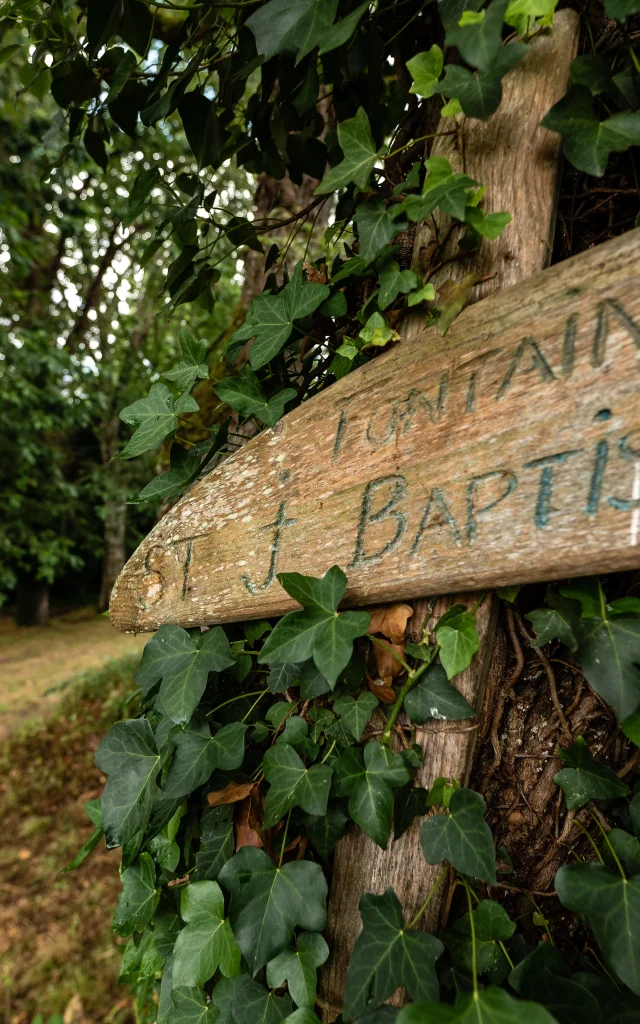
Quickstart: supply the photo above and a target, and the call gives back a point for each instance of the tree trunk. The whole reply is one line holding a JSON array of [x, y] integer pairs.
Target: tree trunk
[[518, 162], [32, 602], [115, 519], [115, 509]]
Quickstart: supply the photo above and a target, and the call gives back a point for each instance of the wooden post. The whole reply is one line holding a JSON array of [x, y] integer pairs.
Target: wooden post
[[518, 162]]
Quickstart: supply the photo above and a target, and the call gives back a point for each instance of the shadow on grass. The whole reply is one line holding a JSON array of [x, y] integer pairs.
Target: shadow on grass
[[57, 953]]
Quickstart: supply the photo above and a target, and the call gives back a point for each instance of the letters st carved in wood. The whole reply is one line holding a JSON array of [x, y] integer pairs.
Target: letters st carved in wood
[[506, 452]]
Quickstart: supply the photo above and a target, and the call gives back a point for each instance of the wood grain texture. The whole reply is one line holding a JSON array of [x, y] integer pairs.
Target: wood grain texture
[[511, 139], [494, 456], [505, 453]]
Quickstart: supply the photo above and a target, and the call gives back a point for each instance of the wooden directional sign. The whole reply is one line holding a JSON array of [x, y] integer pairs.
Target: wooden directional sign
[[506, 452]]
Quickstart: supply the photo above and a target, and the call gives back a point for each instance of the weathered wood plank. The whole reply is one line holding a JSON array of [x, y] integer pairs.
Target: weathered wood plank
[[421, 472], [513, 139], [507, 452]]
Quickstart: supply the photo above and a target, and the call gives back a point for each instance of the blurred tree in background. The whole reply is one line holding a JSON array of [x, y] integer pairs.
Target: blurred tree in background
[[79, 334]]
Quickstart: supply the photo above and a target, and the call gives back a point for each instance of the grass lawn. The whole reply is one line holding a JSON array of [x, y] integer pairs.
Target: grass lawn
[[35, 663], [57, 953]]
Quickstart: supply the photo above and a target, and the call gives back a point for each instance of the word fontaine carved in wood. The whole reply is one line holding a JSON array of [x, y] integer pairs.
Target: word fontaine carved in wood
[[506, 452]]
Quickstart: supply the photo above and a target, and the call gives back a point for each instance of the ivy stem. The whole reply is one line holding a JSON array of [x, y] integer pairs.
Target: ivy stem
[[255, 703], [328, 752], [609, 844], [390, 650], [412, 676], [395, 710], [434, 888], [472, 611], [590, 838], [284, 839], [504, 950], [231, 700], [474, 945], [412, 142]]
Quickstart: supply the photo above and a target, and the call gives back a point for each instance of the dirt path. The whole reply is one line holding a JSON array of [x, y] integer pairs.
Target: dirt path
[[35, 662]]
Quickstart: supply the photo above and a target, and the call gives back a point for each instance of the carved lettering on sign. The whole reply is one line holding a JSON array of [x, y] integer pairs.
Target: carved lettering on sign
[[507, 451]]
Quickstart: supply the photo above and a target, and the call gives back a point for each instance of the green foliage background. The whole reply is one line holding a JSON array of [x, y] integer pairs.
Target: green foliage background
[[224, 915]]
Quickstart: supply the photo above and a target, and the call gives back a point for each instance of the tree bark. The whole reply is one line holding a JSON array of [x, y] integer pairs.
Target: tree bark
[[518, 162], [115, 521], [32, 602], [115, 510]]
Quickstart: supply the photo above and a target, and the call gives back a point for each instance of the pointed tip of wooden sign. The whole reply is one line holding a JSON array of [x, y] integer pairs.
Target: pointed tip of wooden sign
[[507, 453]]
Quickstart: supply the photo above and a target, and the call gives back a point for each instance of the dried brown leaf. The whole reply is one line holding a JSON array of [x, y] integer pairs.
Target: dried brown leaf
[[244, 821], [382, 689], [315, 275], [391, 620], [231, 793], [453, 297]]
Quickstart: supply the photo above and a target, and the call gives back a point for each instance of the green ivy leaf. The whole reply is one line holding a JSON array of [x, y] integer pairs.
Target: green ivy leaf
[[319, 631], [183, 665], [425, 70], [268, 902], [198, 753], [298, 968], [376, 227], [155, 416], [293, 785], [458, 639], [605, 647], [549, 624], [202, 128], [588, 141], [128, 755], [435, 697], [377, 332], [368, 787], [303, 1015], [139, 897], [442, 190], [620, 10], [356, 714], [190, 1006], [185, 466], [480, 94], [246, 395], [492, 926], [626, 847], [611, 905], [424, 294], [388, 955], [479, 40], [270, 317], [325, 831], [191, 366], [294, 26], [94, 812], [218, 842], [360, 155], [508, 594], [224, 997], [488, 1006], [341, 32], [255, 1005], [410, 803], [524, 14], [394, 282], [586, 778], [126, 66], [462, 837], [206, 943], [543, 977], [489, 225]]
